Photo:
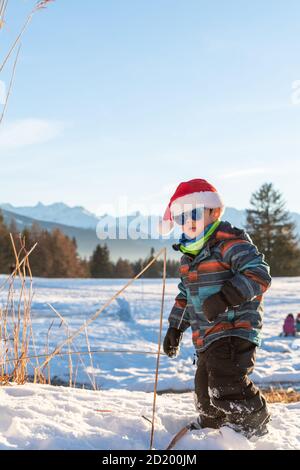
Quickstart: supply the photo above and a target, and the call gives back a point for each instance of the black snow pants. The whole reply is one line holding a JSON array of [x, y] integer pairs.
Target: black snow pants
[[224, 394]]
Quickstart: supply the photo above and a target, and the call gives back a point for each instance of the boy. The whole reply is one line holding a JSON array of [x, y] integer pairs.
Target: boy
[[223, 279]]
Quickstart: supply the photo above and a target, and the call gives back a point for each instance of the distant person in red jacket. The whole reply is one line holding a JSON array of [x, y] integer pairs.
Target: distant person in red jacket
[[289, 327]]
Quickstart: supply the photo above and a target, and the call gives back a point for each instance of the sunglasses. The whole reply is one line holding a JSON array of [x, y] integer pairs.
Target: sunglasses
[[195, 214]]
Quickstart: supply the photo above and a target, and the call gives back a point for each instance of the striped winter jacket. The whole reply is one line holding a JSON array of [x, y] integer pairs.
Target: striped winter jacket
[[228, 259]]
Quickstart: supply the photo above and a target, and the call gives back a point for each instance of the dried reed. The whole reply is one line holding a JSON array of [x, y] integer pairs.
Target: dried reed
[[15, 320], [16, 44], [3, 6], [40, 5]]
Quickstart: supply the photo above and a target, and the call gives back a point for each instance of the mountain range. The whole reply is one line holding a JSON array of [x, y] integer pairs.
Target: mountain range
[[59, 213], [79, 223]]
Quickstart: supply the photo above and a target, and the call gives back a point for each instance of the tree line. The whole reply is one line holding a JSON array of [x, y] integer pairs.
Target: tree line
[[56, 256], [268, 224]]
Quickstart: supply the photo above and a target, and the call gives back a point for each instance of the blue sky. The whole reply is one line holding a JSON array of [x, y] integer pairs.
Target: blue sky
[[126, 98]]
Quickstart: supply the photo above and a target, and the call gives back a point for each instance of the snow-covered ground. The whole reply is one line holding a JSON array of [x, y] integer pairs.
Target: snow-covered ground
[[133, 325], [47, 417]]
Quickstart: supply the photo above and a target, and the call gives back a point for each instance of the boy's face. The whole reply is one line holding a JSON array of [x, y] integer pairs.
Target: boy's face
[[193, 228]]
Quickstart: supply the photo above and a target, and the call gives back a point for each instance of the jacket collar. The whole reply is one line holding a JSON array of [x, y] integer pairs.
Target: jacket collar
[[225, 231]]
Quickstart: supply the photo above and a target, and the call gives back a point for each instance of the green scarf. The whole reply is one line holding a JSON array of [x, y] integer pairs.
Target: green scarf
[[196, 247]]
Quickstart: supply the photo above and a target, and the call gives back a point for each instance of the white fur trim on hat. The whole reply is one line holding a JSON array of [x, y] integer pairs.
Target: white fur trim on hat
[[207, 199]]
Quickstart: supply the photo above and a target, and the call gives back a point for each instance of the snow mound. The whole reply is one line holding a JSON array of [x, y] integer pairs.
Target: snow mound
[[47, 417]]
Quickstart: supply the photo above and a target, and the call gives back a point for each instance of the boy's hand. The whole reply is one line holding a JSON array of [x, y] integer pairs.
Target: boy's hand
[[171, 341], [214, 305], [218, 303]]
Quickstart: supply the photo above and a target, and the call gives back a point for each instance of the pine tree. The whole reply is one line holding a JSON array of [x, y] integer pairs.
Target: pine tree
[[156, 269], [100, 264], [7, 258], [271, 229], [123, 269], [173, 268], [84, 270], [137, 266]]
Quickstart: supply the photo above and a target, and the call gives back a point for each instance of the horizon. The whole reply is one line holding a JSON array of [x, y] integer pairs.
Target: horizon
[[57, 203]]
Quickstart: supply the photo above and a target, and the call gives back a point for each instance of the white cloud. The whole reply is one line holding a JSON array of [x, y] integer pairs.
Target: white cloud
[[26, 132]]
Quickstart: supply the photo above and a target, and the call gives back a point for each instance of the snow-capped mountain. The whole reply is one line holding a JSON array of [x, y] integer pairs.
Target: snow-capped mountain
[[79, 217], [78, 223], [58, 213]]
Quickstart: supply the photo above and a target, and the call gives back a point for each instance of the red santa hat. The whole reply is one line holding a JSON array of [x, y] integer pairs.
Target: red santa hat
[[188, 195]]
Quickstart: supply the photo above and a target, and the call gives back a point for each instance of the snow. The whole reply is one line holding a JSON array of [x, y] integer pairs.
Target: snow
[[132, 324], [47, 417]]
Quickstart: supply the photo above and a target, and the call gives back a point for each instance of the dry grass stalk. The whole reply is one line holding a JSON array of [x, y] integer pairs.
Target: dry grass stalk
[[37, 7], [158, 348], [13, 274], [70, 353], [16, 330], [98, 312], [37, 377], [91, 358], [47, 352], [86, 353], [21, 326], [16, 44], [63, 322], [70, 361], [281, 395], [10, 86], [3, 6], [15, 321], [76, 373]]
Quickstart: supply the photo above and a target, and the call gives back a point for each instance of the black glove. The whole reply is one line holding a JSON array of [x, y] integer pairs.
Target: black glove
[[214, 305], [218, 303], [171, 341]]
